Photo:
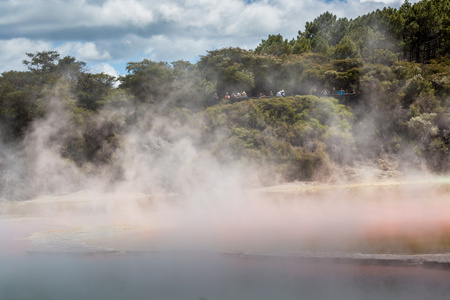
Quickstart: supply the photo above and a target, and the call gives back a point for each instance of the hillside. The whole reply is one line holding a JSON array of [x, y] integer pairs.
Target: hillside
[[161, 128]]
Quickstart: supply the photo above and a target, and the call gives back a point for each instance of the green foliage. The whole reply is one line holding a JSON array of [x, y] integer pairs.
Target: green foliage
[[326, 26], [346, 49], [19, 104], [301, 45], [423, 28], [160, 83], [48, 67], [147, 80], [438, 72], [385, 57], [293, 134], [278, 111], [42, 62], [418, 32], [305, 164], [406, 70], [437, 155], [230, 69], [274, 45], [91, 142], [320, 45], [92, 89], [422, 127], [413, 88]]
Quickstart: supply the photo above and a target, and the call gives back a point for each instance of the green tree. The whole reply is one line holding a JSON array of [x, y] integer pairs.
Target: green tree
[[229, 69], [189, 89], [425, 28], [92, 89], [320, 45], [320, 26], [274, 45], [147, 80], [346, 49], [328, 27], [42, 62], [69, 67], [301, 45], [18, 103]]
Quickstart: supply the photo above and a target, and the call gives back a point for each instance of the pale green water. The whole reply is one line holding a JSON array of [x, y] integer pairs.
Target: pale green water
[[209, 276]]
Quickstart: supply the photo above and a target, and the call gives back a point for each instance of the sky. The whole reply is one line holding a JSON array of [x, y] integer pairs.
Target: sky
[[108, 34]]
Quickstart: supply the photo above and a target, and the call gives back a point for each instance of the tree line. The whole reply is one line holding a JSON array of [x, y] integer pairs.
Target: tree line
[[417, 32]]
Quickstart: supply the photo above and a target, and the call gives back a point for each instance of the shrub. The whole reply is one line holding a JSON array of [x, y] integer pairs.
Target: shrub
[[422, 127]]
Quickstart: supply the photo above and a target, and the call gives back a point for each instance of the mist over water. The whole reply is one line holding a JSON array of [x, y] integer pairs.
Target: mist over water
[[281, 243]]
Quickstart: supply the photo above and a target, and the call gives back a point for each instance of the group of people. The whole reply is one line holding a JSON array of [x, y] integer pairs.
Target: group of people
[[282, 93], [346, 92], [243, 95], [326, 92], [232, 96]]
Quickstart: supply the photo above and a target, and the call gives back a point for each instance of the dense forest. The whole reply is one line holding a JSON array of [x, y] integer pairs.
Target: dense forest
[[392, 64]]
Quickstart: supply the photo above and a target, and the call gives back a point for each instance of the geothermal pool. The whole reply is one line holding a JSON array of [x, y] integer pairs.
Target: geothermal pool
[[388, 240]]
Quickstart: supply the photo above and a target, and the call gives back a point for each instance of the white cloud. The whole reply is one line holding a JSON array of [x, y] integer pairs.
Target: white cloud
[[84, 51], [124, 12], [72, 13], [162, 48], [104, 68], [171, 11], [383, 1], [13, 52], [256, 18], [121, 30]]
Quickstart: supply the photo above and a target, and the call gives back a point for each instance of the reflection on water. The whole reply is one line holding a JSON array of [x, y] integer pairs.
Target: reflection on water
[[211, 276]]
